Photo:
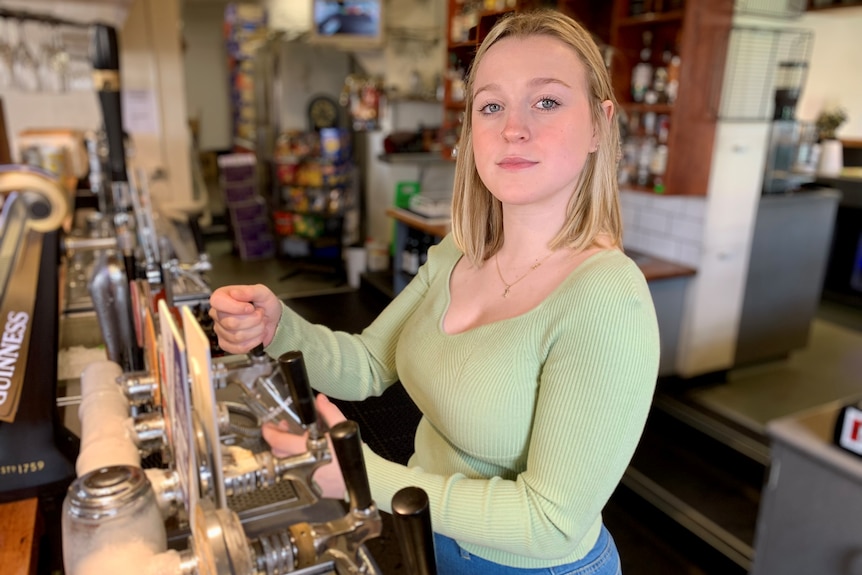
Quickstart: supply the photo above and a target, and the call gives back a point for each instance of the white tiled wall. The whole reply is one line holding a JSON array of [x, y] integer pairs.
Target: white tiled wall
[[711, 234], [668, 227]]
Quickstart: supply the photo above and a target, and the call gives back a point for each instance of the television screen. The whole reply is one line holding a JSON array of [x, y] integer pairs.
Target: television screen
[[357, 22]]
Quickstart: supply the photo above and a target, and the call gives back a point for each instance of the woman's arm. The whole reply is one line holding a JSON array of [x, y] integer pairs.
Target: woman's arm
[[349, 366]]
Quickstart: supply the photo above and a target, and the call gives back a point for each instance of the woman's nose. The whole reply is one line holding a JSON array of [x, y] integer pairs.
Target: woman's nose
[[515, 128]]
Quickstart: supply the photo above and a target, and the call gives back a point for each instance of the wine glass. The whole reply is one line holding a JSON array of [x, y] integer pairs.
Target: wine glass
[[25, 67], [59, 59], [6, 55], [53, 59]]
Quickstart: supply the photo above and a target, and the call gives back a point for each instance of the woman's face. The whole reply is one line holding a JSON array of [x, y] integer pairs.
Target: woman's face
[[531, 121]]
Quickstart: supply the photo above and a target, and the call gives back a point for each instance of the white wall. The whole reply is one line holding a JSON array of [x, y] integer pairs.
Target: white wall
[[835, 75], [206, 78], [152, 71], [711, 234]]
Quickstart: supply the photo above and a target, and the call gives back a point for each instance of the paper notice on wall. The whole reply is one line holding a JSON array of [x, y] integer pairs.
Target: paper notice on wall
[[140, 112]]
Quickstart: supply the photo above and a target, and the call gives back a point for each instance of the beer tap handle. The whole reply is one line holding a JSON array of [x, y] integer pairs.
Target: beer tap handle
[[105, 61], [412, 518], [197, 234], [257, 351], [347, 445], [292, 365]]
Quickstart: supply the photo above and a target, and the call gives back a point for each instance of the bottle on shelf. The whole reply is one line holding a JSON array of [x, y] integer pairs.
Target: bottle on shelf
[[660, 77], [638, 7], [424, 246], [642, 73], [658, 164], [645, 153], [673, 78], [410, 255]]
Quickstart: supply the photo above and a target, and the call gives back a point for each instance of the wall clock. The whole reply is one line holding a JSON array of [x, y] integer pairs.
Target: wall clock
[[322, 113]]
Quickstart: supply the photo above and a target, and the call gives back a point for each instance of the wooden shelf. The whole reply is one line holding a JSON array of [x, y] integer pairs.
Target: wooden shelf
[[417, 158], [834, 6], [651, 18], [698, 33], [641, 107], [638, 189], [410, 98], [462, 45], [433, 226]]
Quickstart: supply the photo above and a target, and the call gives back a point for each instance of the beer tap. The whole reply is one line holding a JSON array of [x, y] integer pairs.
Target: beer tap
[[105, 60], [412, 518], [336, 545], [278, 393], [268, 399]]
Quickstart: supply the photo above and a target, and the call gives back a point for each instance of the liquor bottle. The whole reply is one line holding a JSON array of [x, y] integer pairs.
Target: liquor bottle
[[424, 245], [410, 255], [646, 151], [642, 72], [672, 88], [660, 77], [658, 162], [638, 7]]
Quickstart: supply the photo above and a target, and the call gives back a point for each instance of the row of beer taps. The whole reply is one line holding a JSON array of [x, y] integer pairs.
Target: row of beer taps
[[134, 247]]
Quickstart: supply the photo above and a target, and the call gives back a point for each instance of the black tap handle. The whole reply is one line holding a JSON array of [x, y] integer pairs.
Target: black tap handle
[[412, 518], [292, 365], [197, 234], [105, 61], [257, 351], [347, 445], [104, 50]]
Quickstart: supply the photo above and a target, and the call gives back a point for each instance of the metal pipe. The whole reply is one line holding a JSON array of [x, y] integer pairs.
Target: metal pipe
[[71, 244]]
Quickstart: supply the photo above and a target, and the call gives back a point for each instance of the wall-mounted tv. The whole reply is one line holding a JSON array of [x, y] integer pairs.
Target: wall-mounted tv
[[348, 24]]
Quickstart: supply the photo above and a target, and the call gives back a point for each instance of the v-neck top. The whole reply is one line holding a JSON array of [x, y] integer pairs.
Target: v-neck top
[[528, 423]]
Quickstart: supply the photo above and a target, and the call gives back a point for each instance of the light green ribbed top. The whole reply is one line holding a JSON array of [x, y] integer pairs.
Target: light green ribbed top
[[528, 423]]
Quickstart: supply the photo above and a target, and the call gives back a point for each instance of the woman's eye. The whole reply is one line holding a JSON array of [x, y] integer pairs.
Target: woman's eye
[[490, 108], [547, 104]]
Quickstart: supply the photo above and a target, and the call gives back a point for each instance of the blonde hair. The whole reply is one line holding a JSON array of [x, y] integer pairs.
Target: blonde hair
[[593, 209]]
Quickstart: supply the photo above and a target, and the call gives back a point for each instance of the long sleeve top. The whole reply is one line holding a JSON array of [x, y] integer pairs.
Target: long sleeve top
[[527, 423]]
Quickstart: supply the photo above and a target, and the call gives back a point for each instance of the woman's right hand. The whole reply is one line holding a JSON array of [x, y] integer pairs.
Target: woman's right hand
[[244, 316]]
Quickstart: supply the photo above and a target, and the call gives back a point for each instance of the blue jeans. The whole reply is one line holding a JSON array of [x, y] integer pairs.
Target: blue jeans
[[603, 559]]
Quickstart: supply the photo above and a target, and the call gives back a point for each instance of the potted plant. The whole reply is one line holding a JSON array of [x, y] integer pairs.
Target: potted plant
[[831, 150], [829, 121]]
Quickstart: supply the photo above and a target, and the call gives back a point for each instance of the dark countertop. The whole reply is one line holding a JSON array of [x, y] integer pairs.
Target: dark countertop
[[655, 268], [850, 186]]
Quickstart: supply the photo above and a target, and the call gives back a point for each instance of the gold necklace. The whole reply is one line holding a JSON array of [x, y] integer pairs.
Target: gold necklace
[[509, 285]]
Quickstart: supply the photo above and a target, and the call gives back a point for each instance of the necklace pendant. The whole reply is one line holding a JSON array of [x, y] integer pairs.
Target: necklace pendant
[[506, 293]]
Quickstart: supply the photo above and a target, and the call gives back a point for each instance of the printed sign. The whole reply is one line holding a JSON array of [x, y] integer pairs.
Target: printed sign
[[203, 397], [179, 411]]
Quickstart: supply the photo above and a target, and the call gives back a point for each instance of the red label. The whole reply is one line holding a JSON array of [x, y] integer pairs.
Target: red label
[[851, 430]]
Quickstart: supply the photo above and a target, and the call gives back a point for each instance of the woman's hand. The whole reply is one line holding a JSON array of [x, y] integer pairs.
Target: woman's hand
[[284, 444], [244, 316]]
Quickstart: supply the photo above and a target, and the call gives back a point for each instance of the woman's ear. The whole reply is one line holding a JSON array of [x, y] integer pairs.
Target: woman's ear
[[608, 113]]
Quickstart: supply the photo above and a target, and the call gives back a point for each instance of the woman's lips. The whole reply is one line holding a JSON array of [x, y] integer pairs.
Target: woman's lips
[[515, 163]]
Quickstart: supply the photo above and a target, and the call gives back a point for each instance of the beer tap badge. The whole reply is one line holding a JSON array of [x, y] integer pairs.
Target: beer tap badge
[[14, 333]]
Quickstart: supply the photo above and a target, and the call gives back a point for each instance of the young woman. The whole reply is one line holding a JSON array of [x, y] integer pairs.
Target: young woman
[[528, 340]]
